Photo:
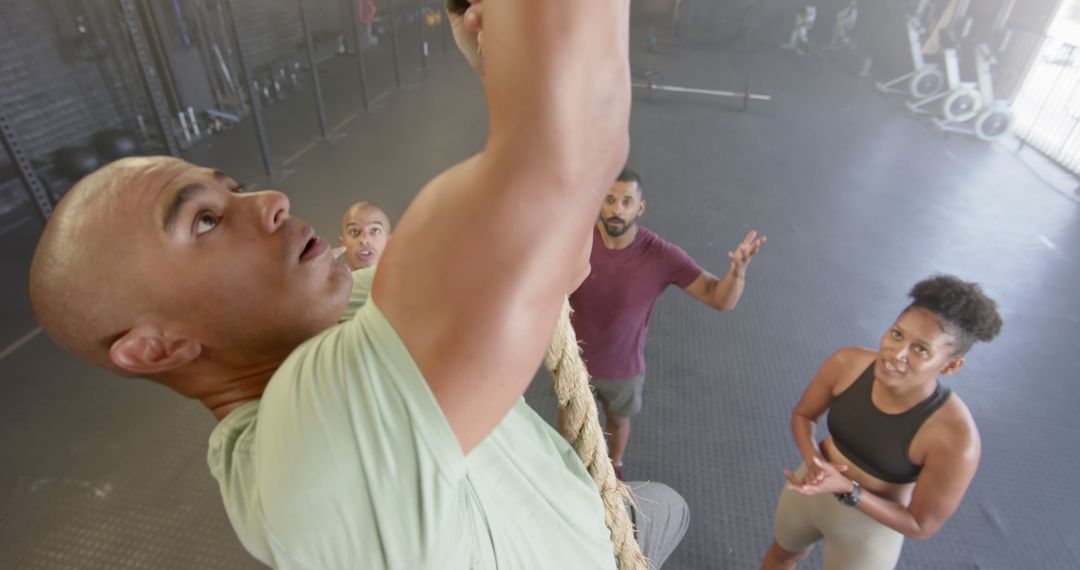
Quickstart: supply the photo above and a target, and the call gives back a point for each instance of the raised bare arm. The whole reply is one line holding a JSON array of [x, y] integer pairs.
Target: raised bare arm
[[476, 273]]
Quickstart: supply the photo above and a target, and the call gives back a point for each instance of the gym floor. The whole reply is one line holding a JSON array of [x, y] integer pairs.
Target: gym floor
[[858, 200]]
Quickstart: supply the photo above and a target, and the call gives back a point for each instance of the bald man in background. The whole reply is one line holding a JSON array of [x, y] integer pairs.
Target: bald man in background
[[365, 230]]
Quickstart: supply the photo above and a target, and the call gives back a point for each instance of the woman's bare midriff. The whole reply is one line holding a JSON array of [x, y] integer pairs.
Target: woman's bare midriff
[[899, 493]]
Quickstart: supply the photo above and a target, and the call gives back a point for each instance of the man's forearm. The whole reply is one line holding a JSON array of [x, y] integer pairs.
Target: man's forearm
[[556, 75], [727, 290]]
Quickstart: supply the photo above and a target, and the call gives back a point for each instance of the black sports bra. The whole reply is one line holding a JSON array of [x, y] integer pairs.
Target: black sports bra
[[875, 441]]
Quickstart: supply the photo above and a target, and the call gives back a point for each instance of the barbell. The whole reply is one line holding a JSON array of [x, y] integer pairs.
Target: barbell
[[650, 86]]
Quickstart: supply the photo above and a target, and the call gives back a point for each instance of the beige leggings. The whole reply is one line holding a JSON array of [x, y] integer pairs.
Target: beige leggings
[[853, 540]]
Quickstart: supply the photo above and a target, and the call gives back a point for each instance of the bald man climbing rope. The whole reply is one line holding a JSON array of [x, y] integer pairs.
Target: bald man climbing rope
[[399, 438]]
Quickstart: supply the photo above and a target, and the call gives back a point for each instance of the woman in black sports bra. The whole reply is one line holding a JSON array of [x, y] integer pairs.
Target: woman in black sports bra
[[902, 448]]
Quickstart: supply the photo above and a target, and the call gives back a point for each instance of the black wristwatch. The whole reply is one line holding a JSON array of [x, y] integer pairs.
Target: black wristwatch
[[851, 499]]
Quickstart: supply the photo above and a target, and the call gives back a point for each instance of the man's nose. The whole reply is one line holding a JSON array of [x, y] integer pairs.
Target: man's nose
[[273, 209]]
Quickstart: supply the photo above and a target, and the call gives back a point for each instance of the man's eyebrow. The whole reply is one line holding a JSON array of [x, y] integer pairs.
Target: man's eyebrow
[[185, 195], [235, 187]]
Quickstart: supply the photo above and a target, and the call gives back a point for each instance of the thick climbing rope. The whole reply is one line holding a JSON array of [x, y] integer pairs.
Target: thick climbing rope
[[582, 427]]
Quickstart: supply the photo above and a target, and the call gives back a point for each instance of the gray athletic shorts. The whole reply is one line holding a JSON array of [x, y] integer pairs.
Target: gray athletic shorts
[[853, 540], [622, 397], [661, 517]]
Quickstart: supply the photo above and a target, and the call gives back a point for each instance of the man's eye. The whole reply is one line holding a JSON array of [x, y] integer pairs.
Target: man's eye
[[205, 222], [375, 231], [238, 189]]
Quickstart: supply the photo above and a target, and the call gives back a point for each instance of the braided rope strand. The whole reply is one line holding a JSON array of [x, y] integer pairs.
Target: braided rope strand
[[582, 426]]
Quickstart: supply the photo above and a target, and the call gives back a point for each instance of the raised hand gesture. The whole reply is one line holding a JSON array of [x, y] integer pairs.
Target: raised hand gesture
[[744, 252]]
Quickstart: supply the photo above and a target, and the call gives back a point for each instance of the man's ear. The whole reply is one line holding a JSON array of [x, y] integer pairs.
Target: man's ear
[[147, 350], [641, 208], [954, 364]]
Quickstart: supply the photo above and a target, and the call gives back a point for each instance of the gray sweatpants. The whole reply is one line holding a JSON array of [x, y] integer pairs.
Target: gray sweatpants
[[661, 517]]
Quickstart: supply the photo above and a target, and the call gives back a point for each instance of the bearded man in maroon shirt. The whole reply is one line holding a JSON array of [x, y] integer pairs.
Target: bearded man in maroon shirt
[[631, 267]]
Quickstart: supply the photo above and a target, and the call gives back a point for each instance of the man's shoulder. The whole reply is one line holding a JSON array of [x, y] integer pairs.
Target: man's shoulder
[[653, 244], [233, 433], [650, 238], [231, 458]]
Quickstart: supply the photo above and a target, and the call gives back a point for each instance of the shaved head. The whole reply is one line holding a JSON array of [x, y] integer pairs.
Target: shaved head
[[361, 208], [153, 266], [81, 287]]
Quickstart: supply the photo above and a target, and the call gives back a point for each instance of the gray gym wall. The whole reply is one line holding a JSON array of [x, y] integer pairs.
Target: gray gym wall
[[53, 99], [270, 30], [715, 22]]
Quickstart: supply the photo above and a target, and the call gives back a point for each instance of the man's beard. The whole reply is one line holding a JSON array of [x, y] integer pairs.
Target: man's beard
[[617, 229]]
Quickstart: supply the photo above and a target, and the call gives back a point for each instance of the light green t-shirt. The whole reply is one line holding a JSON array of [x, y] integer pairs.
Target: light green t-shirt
[[348, 462], [361, 290]]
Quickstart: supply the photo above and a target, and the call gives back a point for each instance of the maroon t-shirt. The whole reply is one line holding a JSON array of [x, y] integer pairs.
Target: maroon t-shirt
[[613, 305]]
